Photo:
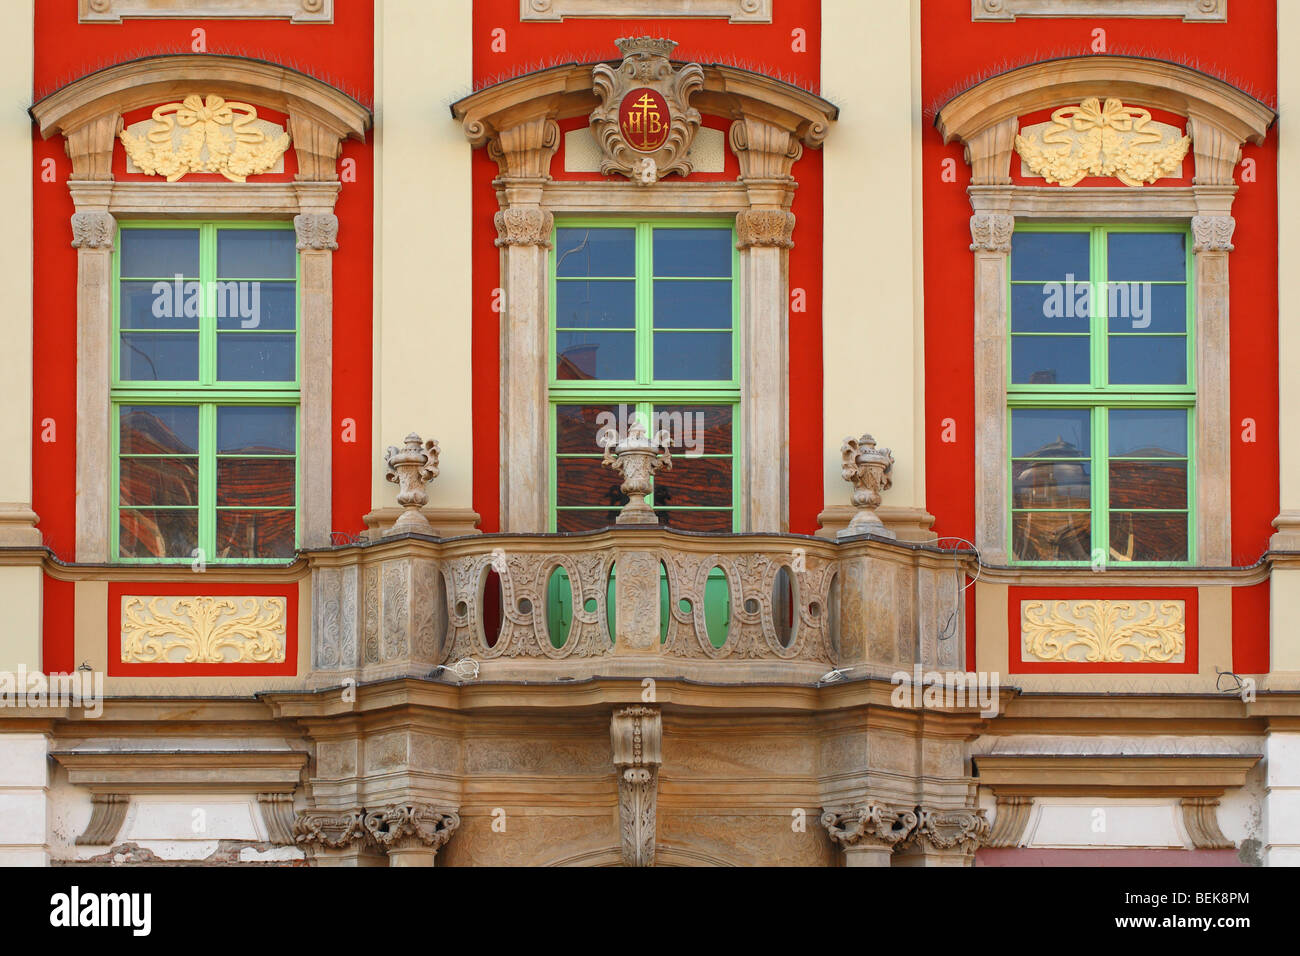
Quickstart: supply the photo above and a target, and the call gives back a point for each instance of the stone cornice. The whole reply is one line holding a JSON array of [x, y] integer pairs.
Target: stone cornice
[[152, 771], [1113, 775]]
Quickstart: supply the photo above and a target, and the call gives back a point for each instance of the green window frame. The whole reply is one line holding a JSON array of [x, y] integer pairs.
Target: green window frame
[[642, 392], [207, 393], [1099, 399]]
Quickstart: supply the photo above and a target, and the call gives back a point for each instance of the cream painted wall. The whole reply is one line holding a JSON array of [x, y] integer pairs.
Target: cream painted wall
[[422, 242], [1284, 606], [872, 315], [20, 587]]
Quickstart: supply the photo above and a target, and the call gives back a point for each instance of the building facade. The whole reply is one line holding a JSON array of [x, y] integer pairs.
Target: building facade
[[655, 432]]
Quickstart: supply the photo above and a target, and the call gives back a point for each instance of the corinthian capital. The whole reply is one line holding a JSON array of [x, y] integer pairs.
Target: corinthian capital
[[963, 829], [876, 823], [405, 825], [331, 829], [93, 230], [1212, 233], [991, 232], [764, 227], [524, 226], [317, 230]]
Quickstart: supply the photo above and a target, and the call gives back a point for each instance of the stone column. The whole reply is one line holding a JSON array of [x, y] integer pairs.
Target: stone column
[[318, 229], [764, 235], [411, 833], [94, 233], [990, 230], [1212, 235], [944, 838], [336, 837], [524, 230], [869, 834]]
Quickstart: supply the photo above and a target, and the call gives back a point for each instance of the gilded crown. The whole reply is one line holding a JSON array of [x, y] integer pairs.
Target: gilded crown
[[646, 46]]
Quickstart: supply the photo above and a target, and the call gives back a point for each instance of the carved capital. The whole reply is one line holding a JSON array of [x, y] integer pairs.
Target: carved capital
[[991, 232], [330, 829], [93, 230], [637, 737], [764, 227], [317, 230], [878, 824], [1217, 152], [962, 829], [524, 226], [1212, 233], [407, 825]]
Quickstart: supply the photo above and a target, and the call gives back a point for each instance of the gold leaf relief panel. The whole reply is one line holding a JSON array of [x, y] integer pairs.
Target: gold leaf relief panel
[[181, 629], [1101, 631], [205, 135]]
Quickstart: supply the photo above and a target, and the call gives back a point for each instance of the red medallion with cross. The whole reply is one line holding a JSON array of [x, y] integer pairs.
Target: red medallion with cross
[[643, 119]]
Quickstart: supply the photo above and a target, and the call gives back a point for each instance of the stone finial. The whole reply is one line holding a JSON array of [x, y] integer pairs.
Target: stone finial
[[412, 466], [637, 457], [868, 469]]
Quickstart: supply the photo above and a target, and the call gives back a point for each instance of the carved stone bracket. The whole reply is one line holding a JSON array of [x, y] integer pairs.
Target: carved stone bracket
[[637, 736], [645, 123], [317, 231], [991, 232], [277, 814], [1212, 233], [93, 230], [108, 811], [1201, 820], [1012, 817]]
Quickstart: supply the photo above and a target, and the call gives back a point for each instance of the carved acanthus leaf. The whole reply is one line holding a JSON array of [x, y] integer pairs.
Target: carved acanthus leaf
[[205, 135]]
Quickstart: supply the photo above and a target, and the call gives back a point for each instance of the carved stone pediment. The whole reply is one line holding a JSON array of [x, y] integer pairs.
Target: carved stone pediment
[[645, 123]]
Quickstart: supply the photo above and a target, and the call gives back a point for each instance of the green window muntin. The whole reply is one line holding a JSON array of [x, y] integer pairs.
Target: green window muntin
[[651, 337], [1101, 407], [205, 392]]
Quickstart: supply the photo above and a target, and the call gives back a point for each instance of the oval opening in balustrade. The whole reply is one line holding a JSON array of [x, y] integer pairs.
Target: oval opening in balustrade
[[491, 599], [665, 603], [611, 611], [559, 606], [833, 615], [717, 606], [785, 604]]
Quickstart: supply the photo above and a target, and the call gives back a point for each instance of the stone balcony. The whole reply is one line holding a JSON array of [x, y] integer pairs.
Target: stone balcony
[[634, 602]]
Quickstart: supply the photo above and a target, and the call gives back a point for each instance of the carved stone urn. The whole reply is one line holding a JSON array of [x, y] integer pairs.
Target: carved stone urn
[[637, 457], [867, 468], [411, 467]]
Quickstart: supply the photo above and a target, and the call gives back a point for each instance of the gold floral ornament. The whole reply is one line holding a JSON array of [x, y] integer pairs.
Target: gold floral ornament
[[1095, 140], [218, 137], [1109, 632], [208, 630]]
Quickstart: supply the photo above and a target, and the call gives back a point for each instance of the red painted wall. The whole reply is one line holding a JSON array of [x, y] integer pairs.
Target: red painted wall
[[956, 54], [342, 54], [767, 48]]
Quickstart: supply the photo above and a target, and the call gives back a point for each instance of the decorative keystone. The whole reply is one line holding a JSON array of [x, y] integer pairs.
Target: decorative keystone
[[412, 467], [868, 469], [637, 458]]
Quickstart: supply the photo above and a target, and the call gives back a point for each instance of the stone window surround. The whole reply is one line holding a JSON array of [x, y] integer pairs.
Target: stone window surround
[[1220, 119], [737, 11], [1200, 11], [115, 11], [88, 113], [772, 122]]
